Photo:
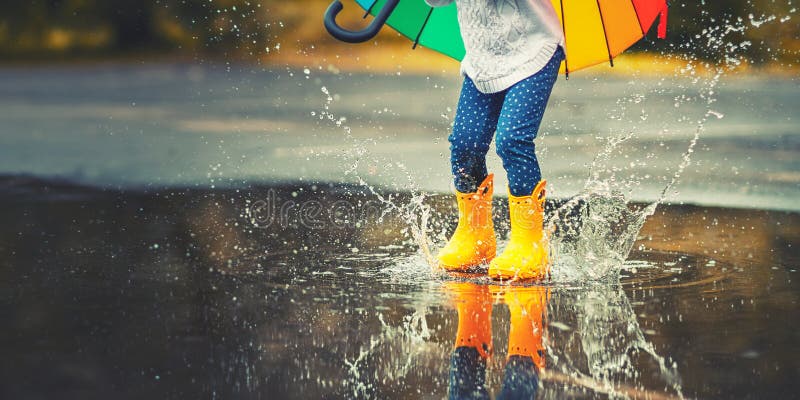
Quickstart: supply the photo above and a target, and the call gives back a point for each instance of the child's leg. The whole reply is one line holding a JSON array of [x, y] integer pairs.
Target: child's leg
[[474, 126], [518, 125], [473, 241]]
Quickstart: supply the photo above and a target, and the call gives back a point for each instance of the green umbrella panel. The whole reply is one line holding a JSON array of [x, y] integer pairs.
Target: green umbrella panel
[[435, 28]]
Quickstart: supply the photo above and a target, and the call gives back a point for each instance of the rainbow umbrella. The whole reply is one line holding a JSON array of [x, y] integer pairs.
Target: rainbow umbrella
[[595, 31]]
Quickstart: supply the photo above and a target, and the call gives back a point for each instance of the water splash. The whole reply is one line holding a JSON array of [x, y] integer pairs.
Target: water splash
[[600, 243], [393, 355], [594, 245], [606, 344], [596, 343], [415, 212]]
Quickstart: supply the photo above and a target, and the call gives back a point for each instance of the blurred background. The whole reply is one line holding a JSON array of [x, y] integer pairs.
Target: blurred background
[[79, 30], [233, 92]]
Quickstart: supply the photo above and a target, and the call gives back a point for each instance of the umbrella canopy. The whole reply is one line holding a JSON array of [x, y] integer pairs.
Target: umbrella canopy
[[595, 31]]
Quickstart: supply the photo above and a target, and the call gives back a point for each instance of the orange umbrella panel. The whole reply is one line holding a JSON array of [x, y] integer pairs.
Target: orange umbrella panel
[[596, 31]]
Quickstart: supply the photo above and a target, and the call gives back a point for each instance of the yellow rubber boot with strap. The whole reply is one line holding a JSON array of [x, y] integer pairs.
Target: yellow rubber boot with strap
[[526, 255], [473, 242]]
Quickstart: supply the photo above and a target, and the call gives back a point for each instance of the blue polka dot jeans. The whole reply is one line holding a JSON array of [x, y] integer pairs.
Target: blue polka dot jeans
[[515, 115]]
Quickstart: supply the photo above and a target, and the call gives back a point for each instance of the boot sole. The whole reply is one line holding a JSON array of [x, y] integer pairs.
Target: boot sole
[[516, 276], [468, 267]]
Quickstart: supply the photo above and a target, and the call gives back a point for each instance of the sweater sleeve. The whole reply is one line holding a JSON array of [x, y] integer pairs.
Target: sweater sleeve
[[438, 3]]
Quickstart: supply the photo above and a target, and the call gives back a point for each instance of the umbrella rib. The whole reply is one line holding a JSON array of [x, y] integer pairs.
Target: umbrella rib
[[564, 31], [605, 34], [633, 4], [424, 24], [369, 10]]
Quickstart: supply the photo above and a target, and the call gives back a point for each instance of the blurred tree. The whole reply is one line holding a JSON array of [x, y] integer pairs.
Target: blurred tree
[[761, 30], [132, 21]]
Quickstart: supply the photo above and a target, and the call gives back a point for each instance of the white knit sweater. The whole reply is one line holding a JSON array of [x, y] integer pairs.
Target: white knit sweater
[[506, 41]]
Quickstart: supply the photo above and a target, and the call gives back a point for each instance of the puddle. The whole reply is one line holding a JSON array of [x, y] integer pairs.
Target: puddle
[[176, 294], [200, 281]]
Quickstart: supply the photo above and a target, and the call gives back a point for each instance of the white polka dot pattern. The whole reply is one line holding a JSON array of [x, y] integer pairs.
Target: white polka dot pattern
[[514, 115]]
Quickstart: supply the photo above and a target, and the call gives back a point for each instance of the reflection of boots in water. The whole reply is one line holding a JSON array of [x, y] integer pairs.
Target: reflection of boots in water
[[528, 309], [473, 341]]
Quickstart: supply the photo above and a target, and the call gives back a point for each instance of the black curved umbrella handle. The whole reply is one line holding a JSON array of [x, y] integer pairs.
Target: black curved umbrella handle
[[357, 36]]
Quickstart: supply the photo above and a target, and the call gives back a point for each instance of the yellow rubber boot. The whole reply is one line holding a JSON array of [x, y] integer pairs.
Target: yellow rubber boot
[[526, 255], [473, 242]]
